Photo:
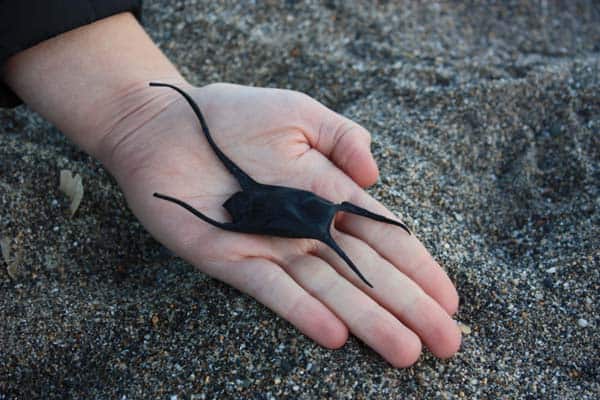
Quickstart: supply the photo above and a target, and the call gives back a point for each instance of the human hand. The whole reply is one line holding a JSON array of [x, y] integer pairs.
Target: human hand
[[284, 138]]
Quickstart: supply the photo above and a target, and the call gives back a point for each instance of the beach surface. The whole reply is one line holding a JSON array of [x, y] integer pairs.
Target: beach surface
[[486, 128]]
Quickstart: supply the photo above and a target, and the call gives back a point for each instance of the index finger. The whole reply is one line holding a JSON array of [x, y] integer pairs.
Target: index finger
[[402, 250]]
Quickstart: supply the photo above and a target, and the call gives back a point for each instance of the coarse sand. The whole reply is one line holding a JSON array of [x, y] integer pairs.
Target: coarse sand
[[486, 128]]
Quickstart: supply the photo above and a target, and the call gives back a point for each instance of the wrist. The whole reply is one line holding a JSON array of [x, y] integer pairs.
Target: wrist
[[87, 80], [135, 119]]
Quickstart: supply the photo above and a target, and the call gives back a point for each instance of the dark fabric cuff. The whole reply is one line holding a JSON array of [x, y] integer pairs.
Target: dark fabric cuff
[[25, 23]]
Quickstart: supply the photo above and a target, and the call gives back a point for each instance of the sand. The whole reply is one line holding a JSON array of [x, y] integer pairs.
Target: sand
[[486, 127]]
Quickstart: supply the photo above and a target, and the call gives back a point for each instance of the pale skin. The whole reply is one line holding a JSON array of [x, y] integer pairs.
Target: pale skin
[[92, 83]]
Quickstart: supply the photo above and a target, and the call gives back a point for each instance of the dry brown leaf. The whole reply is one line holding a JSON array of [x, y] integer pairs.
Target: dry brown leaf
[[5, 247], [11, 264], [72, 187]]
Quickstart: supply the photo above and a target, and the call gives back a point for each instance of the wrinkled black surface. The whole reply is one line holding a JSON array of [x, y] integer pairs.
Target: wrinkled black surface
[[275, 210]]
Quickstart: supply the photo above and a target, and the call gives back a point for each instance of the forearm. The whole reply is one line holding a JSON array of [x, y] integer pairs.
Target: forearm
[[91, 79]]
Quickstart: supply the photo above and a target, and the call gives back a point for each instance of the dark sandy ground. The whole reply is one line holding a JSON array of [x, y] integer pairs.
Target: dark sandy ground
[[486, 124]]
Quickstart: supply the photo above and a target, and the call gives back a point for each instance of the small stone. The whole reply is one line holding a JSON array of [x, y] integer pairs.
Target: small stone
[[548, 282], [551, 270], [277, 380], [555, 129], [582, 322], [464, 328]]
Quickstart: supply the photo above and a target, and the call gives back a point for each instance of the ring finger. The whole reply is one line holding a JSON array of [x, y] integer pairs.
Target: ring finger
[[366, 319]]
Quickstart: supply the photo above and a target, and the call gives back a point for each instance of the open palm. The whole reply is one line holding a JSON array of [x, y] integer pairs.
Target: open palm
[[285, 138]]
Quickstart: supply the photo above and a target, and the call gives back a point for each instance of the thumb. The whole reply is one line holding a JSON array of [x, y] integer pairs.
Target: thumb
[[344, 142]]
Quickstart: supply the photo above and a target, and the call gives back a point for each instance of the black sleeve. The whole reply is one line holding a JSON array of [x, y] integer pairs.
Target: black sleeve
[[25, 23]]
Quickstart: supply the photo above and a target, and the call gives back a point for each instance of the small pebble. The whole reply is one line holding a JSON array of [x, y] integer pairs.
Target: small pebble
[[465, 329], [582, 322], [539, 295]]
